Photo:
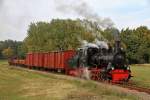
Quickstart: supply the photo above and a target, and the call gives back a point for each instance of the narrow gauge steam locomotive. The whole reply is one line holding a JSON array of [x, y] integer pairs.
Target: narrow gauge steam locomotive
[[95, 61], [103, 62]]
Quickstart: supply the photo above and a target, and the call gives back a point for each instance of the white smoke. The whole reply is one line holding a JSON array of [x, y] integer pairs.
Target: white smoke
[[86, 73], [83, 9], [96, 44], [102, 44], [86, 44], [93, 27]]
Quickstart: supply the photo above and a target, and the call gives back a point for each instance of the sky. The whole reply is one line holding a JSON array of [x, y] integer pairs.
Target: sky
[[16, 15]]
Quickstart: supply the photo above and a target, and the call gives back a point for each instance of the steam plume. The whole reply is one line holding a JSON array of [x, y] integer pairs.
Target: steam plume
[[101, 44], [83, 9], [86, 73]]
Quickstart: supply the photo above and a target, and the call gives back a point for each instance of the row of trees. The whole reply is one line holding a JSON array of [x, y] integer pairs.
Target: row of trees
[[9, 48], [137, 43], [56, 35], [64, 34], [68, 34]]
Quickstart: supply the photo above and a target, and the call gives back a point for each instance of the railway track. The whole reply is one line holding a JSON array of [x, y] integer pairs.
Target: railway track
[[129, 85], [132, 86]]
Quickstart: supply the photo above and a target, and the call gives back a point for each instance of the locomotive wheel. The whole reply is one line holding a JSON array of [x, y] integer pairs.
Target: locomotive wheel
[[103, 76]]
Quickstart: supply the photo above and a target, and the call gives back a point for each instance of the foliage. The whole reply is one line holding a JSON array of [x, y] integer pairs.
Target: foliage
[[56, 35], [14, 45], [22, 50], [138, 44], [64, 34], [8, 52]]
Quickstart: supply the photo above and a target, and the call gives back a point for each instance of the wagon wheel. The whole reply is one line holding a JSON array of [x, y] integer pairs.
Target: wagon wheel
[[98, 76]]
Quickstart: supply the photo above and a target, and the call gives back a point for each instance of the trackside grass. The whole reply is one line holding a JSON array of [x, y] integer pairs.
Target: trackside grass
[[141, 75], [24, 84]]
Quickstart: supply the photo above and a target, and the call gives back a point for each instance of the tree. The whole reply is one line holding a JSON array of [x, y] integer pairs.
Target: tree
[[22, 50], [64, 34], [137, 42], [8, 52], [14, 45], [56, 35]]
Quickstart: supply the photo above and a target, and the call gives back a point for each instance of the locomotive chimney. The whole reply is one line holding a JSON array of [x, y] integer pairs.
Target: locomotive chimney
[[117, 44]]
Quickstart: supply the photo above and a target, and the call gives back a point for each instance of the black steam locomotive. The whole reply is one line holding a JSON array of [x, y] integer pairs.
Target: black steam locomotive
[[106, 59]]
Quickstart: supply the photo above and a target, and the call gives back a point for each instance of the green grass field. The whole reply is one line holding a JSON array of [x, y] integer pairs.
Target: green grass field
[[141, 75], [23, 84]]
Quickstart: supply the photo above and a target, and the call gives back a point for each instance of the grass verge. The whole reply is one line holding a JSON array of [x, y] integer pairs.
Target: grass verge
[[141, 75]]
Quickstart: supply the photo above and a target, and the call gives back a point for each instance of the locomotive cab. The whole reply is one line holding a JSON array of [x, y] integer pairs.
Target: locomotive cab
[[85, 55]]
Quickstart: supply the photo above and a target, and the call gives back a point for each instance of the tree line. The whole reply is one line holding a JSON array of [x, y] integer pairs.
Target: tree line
[[137, 42], [56, 35], [64, 34], [11, 48]]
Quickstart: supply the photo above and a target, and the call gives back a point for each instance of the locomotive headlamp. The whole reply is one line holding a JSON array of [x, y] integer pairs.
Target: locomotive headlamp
[[128, 68], [112, 68]]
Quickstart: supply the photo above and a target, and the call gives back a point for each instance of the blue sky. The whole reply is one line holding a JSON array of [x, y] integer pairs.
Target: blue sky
[[16, 15]]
